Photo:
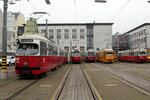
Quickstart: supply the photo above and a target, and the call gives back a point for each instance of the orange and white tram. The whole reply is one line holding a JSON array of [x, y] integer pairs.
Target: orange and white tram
[[37, 55], [106, 56]]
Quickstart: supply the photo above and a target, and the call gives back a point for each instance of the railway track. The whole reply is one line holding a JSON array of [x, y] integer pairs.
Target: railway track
[[15, 87], [134, 70], [22, 89], [8, 82], [32, 88], [133, 80], [76, 85], [131, 69]]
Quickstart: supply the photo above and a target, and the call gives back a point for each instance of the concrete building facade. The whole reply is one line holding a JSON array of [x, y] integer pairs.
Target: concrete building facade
[[136, 38], [83, 36], [140, 36], [14, 20], [10, 30], [19, 25]]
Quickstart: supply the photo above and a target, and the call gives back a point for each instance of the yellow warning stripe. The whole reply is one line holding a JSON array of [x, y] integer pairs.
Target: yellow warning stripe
[[4, 64], [3, 67], [4, 70]]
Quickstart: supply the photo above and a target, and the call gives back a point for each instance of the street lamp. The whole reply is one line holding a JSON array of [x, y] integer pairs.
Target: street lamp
[[100, 1], [47, 1]]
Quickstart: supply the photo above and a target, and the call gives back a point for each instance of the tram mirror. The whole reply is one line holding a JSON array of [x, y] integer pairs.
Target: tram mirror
[[17, 41]]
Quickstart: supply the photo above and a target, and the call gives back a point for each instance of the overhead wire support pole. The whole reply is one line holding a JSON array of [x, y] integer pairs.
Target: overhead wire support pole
[[4, 44], [46, 30]]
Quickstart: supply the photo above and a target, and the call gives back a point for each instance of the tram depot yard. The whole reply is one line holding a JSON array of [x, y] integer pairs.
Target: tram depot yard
[[85, 81]]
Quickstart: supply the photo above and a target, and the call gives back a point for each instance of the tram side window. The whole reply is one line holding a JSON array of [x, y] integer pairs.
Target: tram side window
[[61, 52], [55, 51], [50, 49], [43, 48], [135, 53]]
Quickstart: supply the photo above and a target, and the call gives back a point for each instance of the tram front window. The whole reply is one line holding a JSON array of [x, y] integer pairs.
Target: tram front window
[[76, 54], [27, 49], [142, 53], [109, 54], [90, 53]]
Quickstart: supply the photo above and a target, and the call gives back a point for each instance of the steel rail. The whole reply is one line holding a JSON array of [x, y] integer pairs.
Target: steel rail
[[60, 87], [93, 89], [18, 92]]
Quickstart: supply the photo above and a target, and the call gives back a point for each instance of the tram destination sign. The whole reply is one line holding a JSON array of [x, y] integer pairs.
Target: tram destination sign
[[26, 40]]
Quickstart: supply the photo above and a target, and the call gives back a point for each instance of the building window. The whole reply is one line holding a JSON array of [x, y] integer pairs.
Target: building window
[[81, 30], [51, 31], [66, 48], [82, 48], [81, 33], [66, 35], [58, 30], [51, 34], [58, 33], [43, 31], [74, 30], [66, 30], [74, 33], [82, 36], [74, 36]]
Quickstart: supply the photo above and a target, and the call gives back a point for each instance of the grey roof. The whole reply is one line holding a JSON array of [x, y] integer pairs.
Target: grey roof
[[137, 27], [61, 24]]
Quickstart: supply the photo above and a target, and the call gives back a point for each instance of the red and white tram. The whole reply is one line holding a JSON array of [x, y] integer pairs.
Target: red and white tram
[[137, 55], [76, 56], [37, 55], [90, 56]]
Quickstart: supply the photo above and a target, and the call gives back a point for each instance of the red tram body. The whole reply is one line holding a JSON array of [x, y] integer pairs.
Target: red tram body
[[76, 57], [90, 56], [37, 55], [138, 55]]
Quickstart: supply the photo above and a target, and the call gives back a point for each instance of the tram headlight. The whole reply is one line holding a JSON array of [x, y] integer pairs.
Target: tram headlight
[[25, 64]]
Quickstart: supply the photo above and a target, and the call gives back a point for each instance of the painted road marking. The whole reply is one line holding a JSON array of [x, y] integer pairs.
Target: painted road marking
[[46, 86], [111, 85]]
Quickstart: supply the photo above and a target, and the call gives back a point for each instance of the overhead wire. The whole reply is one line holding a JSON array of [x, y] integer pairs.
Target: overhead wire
[[137, 22], [32, 5], [120, 10]]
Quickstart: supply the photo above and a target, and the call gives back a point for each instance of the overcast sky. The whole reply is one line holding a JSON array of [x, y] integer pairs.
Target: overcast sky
[[125, 14]]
